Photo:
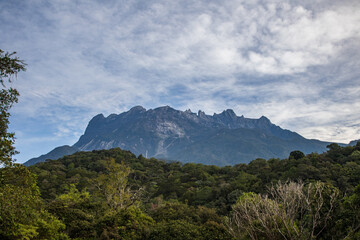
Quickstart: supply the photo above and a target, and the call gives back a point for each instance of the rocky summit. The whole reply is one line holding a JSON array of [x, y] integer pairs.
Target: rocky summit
[[185, 136], [170, 134]]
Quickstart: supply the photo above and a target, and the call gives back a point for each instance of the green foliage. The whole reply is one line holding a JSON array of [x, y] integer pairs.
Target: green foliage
[[49, 227], [22, 214], [355, 155], [351, 214], [9, 67], [175, 229], [7, 98], [197, 184], [182, 229], [191, 200], [74, 197], [179, 221], [114, 186], [133, 223], [296, 155], [130, 223], [76, 209]]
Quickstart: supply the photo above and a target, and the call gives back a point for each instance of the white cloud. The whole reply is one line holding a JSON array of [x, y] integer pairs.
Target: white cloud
[[287, 60]]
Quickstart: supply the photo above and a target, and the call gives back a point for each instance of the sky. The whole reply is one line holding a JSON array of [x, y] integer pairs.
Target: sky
[[295, 62]]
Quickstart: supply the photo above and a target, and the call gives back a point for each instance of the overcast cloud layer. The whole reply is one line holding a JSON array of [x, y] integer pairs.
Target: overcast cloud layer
[[296, 62]]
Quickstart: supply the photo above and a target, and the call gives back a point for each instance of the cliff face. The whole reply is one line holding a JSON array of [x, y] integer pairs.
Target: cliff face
[[185, 136]]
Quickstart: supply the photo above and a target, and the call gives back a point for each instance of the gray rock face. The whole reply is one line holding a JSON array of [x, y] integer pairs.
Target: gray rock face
[[185, 136]]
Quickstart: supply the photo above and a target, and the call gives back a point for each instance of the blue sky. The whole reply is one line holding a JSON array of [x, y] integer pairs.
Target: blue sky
[[296, 62]]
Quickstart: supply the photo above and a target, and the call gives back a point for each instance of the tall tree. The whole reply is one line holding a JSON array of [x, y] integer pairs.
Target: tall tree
[[10, 66], [114, 186], [22, 213]]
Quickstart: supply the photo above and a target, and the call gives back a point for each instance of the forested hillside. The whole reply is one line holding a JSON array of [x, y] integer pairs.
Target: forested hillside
[[112, 194]]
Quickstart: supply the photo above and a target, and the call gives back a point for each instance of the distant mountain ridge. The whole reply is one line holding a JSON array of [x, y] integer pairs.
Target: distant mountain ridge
[[354, 142], [53, 155], [170, 134]]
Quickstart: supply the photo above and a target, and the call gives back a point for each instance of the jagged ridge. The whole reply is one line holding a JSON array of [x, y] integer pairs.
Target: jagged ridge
[[219, 139], [170, 134]]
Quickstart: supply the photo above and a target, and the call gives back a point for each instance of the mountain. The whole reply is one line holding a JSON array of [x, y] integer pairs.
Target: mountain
[[53, 155], [170, 134], [354, 142]]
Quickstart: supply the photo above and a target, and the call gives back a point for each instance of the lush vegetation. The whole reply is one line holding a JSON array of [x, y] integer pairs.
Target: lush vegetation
[[112, 194], [22, 210], [10, 66]]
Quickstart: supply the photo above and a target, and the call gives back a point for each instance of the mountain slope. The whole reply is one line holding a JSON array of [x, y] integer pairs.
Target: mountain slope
[[185, 136], [53, 155], [166, 133], [354, 142]]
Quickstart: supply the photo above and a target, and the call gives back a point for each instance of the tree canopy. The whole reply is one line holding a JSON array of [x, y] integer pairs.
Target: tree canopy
[[314, 196], [10, 66]]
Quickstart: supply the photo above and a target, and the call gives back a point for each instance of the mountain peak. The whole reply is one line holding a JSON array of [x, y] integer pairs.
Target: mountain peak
[[201, 114], [137, 109], [99, 116], [264, 119], [164, 108], [188, 111], [172, 134], [229, 113]]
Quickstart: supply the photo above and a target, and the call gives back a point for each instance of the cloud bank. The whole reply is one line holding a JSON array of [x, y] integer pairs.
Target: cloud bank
[[296, 62]]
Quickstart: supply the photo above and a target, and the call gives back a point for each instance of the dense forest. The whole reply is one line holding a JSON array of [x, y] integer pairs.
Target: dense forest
[[113, 194]]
